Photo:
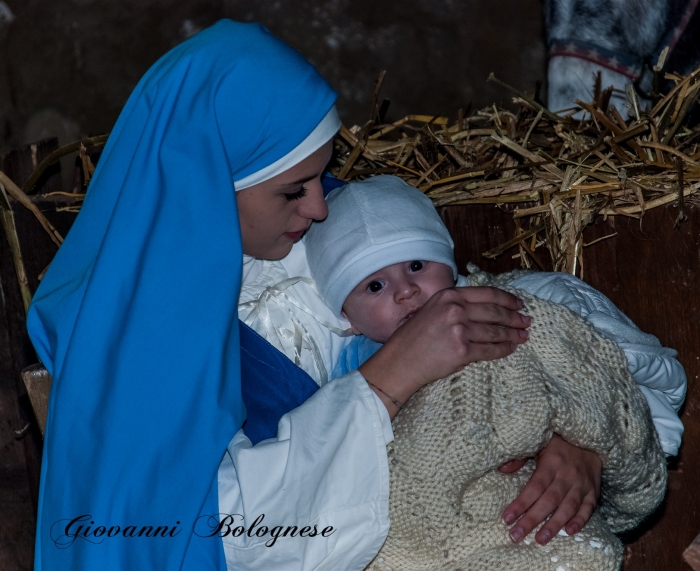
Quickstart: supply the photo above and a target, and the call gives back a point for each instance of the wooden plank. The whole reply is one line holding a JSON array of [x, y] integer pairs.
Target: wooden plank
[[38, 383], [658, 276]]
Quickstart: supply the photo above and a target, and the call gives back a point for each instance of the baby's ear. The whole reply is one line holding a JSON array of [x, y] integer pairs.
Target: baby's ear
[[355, 330]]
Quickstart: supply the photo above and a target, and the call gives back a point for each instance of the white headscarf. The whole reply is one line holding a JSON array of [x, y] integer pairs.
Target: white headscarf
[[323, 133]]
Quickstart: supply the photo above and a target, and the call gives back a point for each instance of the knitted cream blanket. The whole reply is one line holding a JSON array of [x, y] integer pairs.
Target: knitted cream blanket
[[446, 495]]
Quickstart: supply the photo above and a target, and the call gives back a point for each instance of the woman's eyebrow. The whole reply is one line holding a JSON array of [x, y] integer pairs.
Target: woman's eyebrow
[[300, 181]]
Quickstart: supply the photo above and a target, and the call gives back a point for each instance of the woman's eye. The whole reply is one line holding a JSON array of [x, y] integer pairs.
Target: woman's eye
[[295, 195], [416, 265], [375, 286]]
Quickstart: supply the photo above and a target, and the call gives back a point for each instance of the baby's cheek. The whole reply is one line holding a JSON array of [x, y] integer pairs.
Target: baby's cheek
[[381, 323], [360, 316], [387, 324]]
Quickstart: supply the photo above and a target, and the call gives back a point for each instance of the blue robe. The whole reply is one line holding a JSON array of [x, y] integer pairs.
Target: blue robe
[[272, 385], [136, 318]]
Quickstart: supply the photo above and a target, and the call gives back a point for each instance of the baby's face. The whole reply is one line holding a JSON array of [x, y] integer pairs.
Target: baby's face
[[384, 301]]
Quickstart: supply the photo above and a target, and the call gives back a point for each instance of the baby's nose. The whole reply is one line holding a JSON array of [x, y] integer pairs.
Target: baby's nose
[[407, 289]]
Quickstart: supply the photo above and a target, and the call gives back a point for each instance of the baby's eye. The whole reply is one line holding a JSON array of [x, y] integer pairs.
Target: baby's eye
[[375, 286], [295, 195], [416, 265]]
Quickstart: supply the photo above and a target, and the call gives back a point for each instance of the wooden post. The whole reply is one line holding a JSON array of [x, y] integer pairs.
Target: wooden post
[[38, 383]]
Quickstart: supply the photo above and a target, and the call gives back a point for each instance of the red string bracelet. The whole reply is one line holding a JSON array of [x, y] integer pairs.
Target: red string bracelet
[[392, 399]]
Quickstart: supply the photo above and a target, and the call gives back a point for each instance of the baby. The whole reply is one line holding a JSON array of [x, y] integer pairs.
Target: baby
[[379, 256]]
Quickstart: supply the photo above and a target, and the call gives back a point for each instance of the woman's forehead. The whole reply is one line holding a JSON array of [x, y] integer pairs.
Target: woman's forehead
[[306, 170]]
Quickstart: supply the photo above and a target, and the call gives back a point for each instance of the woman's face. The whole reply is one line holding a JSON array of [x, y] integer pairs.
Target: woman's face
[[275, 214]]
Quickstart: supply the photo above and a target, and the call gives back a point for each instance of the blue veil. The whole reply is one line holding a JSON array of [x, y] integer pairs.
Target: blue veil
[[136, 318]]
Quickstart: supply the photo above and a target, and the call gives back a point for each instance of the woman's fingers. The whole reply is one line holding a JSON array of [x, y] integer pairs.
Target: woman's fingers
[[527, 498], [565, 486], [572, 514], [511, 466], [493, 307], [490, 295], [492, 314], [583, 515], [567, 509], [486, 352], [483, 333]]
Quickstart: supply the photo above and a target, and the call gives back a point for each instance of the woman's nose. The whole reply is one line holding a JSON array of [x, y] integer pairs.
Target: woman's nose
[[313, 205]]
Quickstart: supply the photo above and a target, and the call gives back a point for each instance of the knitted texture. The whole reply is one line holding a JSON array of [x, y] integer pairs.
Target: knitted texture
[[446, 495]]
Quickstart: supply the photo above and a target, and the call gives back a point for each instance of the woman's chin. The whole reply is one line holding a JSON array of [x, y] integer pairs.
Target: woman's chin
[[275, 253]]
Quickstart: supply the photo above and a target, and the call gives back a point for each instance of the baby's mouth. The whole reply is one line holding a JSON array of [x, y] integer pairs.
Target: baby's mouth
[[410, 314]]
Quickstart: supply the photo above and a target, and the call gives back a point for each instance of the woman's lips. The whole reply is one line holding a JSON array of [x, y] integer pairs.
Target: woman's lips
[[295, 236]]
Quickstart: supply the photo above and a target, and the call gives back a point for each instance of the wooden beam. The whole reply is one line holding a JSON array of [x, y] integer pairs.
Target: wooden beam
[[38, 382]]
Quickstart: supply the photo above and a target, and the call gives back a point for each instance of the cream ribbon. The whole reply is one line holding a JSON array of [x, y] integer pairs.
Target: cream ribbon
[[300, 338]]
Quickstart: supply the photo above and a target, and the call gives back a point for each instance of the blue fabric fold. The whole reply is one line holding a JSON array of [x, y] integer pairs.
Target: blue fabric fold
[[272, 385], [136, 318]]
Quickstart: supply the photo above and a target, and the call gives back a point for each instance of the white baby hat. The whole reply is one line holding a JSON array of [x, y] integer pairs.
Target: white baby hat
[[371, 225]]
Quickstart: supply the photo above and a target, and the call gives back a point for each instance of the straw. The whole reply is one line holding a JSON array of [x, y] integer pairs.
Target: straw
[[561, 173]]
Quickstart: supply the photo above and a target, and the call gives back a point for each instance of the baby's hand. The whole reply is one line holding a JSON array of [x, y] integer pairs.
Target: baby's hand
[[565, 484]]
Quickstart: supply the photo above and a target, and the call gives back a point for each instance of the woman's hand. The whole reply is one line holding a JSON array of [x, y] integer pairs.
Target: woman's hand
[[455, 327], [566, 484]]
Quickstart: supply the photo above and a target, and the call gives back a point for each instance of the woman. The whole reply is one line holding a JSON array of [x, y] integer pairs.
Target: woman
[[136, 320]]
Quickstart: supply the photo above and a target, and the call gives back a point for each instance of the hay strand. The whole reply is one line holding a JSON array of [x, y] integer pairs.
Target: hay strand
[[15, 192], [8, 224]]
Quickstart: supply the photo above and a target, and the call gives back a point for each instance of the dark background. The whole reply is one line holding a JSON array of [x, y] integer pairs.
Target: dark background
[[68, 66]]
